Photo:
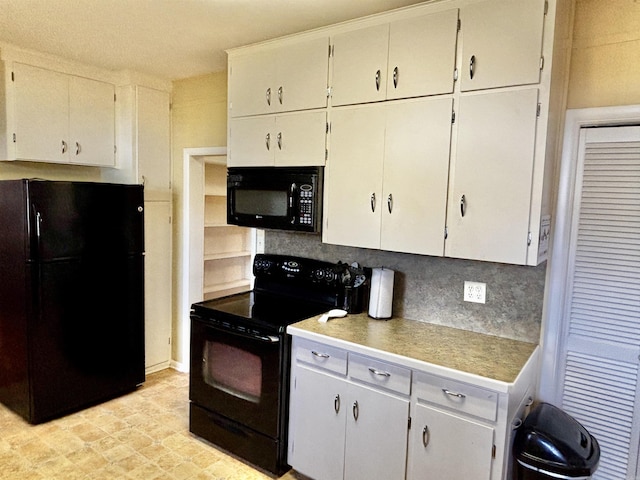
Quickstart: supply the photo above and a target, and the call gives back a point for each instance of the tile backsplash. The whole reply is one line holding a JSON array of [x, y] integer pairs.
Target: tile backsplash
[[430, 289]]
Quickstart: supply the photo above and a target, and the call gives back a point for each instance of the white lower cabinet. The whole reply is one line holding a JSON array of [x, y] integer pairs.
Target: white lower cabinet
[[359, 417], [445, 445], [352, 427]]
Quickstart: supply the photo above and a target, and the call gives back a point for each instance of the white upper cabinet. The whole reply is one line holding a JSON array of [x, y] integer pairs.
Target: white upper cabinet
[[63, 118], [491, 180], [154, 138], [360, 65], [282, 79], [405, 58], [290, 139], [386, 182], [422, 55], [501, 43]]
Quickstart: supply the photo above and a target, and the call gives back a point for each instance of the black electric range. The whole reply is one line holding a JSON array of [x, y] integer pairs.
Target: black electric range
[[240, 352]]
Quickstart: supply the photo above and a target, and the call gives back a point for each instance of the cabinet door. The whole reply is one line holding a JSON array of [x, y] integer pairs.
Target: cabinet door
[[300, 139], [443, 445], [490, 192], [157, 299], [252, 142], [360, 66], [302, 75], [288, 78], [416, 172], [154, 139], [91, 122], [317, 424], [377, 425], [353, 180], [501, 43], [422, 55], [41, 113], [251, 80]]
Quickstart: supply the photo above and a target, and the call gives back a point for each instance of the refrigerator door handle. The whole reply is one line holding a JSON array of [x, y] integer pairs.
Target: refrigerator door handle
[[38, 221]]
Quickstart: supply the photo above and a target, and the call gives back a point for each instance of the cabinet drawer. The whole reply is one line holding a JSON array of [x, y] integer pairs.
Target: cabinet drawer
[[380, 374], [321, 356], [457, 396]]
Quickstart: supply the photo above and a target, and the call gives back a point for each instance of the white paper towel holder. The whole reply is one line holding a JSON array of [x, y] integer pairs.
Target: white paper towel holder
[[381, 296]]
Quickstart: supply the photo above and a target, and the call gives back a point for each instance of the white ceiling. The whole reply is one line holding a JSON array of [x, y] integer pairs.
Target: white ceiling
[[171, 39]]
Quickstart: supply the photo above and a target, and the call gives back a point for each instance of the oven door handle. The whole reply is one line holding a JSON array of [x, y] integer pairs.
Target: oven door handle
[[272, 339]]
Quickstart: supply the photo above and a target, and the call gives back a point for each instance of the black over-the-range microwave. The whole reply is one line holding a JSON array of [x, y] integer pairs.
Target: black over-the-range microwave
[[282, 198]]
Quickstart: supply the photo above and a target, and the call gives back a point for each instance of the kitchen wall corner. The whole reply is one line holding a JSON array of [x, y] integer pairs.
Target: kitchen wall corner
[[430, 289]]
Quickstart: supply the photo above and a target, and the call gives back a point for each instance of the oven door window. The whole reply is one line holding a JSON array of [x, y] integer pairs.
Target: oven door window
[[234, 370], [238, 376]]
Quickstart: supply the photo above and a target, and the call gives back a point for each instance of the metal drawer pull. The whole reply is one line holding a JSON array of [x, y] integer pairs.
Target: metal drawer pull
[[268, 95], [267, 140], [336, 403], [373, 202], [64, 146], [378, 80], [395, 77], [454, 394], [472, 66], [379, 372], [425, 436], [77, 148], [280, 95], [320, 355], [356, 410], [463, 205], [390, 202]]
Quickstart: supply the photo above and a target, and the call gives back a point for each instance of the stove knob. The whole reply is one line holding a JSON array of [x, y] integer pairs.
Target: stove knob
[[329, 276], [319, 274]]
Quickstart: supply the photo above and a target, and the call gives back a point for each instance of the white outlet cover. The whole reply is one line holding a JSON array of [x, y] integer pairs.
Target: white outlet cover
[[475, 292]]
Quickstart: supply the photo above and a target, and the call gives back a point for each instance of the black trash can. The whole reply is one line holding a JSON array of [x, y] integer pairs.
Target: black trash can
[[551, 444]]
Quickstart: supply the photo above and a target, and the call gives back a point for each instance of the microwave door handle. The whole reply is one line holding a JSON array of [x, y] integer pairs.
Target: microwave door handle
[[292, 192]]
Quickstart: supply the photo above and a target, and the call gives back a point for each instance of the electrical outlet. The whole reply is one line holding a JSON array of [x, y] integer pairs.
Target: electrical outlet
[[475, 292]]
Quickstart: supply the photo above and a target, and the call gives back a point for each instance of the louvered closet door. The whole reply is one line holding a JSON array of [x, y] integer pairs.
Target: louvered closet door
[[603, 304]]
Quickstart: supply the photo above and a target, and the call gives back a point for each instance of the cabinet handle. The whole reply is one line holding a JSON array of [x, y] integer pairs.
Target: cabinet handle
[[472, 66], [279, 140], [320, 355], [356, 410], [280, 95], [454, 394], [268, 95], [336, 403], [426, 436], [378, 80], [390, 202], [267, 140], [64, 147], [463, 205], [373, 202], [379, 372], [395, 77], [77, 148]]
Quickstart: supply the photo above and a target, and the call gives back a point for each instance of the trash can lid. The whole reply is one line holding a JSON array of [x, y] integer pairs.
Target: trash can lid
[[551, 441]]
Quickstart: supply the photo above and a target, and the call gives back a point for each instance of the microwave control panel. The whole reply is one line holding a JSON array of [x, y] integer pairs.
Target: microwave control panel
[[305, 205]]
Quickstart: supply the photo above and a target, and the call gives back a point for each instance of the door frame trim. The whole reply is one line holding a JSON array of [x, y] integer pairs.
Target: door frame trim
[[553, 326]]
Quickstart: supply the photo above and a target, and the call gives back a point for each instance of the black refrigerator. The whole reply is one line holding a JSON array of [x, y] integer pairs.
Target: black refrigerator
[[71, 294]]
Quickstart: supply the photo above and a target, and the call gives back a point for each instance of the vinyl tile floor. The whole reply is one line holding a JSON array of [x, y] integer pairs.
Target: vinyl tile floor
[[143, 435]]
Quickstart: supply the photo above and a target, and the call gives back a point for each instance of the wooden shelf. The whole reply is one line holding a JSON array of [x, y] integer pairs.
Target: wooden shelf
[[227, 248], [223, 255], [228, 288]]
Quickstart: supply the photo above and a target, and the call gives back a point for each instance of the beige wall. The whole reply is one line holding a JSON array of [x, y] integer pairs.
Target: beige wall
[[605, 66], [199, 119]]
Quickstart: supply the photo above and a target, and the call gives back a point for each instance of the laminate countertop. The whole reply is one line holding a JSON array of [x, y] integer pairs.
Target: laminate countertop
[[423, 345]]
